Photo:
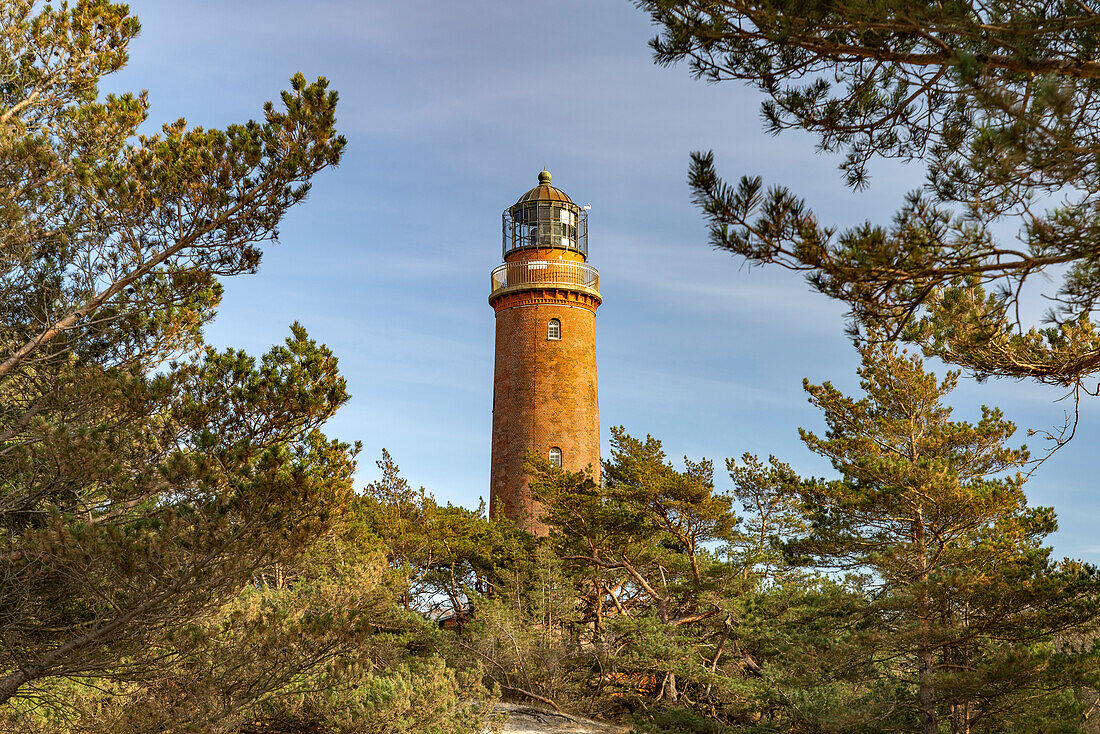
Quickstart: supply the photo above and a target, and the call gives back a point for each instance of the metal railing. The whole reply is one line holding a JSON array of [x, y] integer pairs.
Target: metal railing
[[551, 273]]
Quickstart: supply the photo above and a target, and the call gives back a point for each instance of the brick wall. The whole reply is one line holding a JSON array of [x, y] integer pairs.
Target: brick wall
[[544, 393]]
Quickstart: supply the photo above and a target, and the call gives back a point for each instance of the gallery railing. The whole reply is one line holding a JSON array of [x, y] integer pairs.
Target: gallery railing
[[548, 273]]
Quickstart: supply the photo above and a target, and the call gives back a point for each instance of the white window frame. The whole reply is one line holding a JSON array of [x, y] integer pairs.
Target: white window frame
[[554, 325], [550, 455]]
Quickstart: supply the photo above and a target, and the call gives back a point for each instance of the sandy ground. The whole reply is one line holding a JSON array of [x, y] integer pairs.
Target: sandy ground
[[525, 719]]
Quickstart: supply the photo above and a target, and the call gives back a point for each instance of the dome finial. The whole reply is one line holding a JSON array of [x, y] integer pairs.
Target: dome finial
[[544, 177]]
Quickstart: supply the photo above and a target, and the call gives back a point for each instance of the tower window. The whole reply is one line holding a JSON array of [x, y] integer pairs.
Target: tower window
[[553, 330], [555, 456]]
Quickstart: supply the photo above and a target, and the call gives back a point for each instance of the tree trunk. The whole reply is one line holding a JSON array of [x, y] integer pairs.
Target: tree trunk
[[668, 688], [927, 692], [597, 612], [924, 648]]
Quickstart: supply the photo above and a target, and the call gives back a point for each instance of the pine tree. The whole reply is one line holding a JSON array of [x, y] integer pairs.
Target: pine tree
[[662, 573], [443, 552], [963, 605], [144, 478], [997, 100]]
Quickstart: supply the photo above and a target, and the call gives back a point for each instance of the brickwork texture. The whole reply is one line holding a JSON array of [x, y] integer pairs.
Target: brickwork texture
[[544, 392]]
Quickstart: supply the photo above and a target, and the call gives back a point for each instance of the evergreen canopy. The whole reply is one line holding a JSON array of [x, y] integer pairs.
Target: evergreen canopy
[[144, 479], [1000, 102]]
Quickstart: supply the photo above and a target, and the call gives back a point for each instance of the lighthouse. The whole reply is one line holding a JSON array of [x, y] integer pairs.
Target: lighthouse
[[545, 295]]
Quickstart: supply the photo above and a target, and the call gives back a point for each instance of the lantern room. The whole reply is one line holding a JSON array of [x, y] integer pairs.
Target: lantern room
[[545, 218]]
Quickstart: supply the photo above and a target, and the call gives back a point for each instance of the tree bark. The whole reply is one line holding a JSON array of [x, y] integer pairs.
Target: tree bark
[[924, 648], [668, 688], [927, 692]]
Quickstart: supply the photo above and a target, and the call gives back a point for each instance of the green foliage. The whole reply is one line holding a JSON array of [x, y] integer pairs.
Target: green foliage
[[647, 514], [318, 647], [681, 721], [912, 594], [772, 514], [523, 635], [145, 479], [957, 605], [996, 99], [120, 532], [443, 552], [664, 579], [417, 696]]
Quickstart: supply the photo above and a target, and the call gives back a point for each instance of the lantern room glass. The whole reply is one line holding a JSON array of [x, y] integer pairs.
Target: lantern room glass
[[545, 224]]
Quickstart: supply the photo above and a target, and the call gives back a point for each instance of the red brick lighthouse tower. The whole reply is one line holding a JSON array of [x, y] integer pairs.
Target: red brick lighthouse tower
[[544, 388]]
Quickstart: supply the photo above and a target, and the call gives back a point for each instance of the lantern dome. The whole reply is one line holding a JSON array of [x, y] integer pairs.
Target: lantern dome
[[543, 192]]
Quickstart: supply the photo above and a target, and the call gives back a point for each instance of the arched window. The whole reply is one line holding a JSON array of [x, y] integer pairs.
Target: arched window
[[553, 330], [555, 456]]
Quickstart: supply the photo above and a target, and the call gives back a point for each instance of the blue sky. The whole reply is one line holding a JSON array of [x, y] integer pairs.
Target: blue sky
[[450, 110]]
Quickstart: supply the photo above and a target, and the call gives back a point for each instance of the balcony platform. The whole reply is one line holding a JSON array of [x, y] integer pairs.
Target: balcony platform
[[533, 274]]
